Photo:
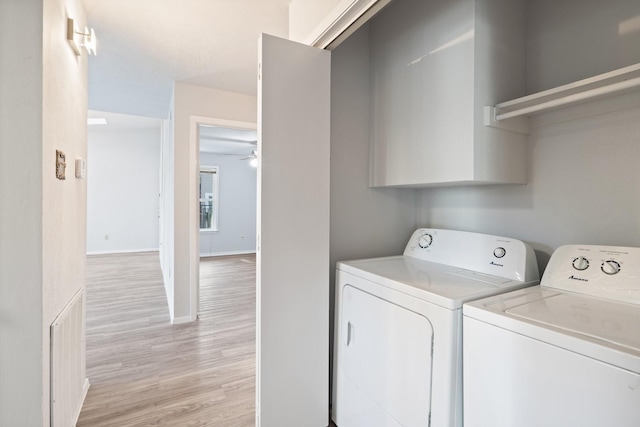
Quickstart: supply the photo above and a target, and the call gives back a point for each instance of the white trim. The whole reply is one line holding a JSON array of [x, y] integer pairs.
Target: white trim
[[85, 390], [184, 319], [194, 202], [201, 120], [216, 254], [125, 251], [216, 192], [344, 19]]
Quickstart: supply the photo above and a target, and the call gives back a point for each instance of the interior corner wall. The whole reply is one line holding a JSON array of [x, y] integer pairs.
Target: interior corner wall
[[21, 328], [166, 233], [365, 222], [237, 212], [195, 101], [43, 108], [123, 186], [583, 173]]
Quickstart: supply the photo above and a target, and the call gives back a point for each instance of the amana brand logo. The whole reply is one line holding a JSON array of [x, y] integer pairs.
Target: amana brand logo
[[572, 277], [496, 264]]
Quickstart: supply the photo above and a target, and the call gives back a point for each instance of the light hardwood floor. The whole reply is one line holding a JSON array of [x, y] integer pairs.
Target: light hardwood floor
[[146, 372]]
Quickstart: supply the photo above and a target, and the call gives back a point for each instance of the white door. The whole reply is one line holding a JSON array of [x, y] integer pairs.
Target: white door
[[385, 359], [293, 235]]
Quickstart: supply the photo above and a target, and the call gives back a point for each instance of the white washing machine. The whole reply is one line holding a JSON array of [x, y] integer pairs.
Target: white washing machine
[[397, 358], [565, 353]]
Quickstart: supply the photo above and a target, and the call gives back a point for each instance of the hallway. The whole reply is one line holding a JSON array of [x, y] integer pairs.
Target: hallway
[[144, 371]]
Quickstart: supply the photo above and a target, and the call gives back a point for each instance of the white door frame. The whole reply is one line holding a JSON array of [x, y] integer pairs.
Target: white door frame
[[194, 210]]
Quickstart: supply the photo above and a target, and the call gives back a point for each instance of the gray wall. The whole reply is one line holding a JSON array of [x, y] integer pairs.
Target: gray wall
[[237, 212], [365, 222], [583, 163], [584, 179]]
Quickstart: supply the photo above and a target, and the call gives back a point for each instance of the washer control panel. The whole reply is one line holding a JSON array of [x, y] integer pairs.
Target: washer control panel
[[425, 240], [611, 272], [483, 253]]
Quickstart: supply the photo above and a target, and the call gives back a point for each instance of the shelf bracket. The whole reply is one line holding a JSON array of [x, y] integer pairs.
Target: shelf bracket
[[514, 124]]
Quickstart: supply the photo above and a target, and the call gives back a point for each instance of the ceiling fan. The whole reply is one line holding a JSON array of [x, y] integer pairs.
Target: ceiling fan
[[253, 158]]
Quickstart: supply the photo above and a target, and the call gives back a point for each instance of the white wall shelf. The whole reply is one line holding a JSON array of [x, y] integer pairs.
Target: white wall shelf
[[512, 115]]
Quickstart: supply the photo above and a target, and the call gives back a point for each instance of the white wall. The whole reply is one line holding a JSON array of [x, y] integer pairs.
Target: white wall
[[584, 178], [42, 219], [122, 189], [189, 103], [166, 237], [237, 210]]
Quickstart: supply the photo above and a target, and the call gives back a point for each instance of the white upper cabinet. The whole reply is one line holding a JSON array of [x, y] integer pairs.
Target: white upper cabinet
[[435, 64]]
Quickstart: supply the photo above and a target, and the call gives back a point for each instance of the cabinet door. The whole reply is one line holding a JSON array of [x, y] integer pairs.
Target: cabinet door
[[293, 235]]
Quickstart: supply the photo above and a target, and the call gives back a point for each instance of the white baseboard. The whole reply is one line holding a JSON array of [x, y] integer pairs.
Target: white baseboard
[[208, 254], [126, 251], [85, 390], [184, 319]]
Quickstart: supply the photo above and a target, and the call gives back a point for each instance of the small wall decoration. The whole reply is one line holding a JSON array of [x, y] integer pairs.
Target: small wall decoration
[[60, 164]]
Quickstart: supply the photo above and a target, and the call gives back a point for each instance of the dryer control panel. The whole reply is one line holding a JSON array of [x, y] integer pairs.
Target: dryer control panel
[[611, 272], [483, 253]]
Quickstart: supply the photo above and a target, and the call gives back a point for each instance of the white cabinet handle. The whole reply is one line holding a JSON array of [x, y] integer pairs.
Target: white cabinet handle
[[349, 334]]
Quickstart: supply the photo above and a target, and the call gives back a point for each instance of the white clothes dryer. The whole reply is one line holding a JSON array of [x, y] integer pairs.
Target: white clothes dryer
[[565, 353], [397, 352]]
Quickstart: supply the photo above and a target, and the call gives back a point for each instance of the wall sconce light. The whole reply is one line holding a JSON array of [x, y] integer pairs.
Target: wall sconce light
[[79, 39]]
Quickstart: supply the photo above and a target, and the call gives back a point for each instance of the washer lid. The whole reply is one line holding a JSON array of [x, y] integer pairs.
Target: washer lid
[[595, 327], [446, 286], [603, 320]]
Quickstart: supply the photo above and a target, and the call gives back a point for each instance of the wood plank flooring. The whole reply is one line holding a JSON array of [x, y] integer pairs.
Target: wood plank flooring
[[146, 372]]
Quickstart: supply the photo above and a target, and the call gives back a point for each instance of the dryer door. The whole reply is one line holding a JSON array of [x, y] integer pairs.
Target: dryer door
[[385, 359]]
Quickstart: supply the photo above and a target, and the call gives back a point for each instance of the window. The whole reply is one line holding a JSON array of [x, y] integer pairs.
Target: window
[[209, 176]]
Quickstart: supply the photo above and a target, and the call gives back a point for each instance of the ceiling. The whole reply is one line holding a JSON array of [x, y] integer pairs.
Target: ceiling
[[146, 45], [220, 140], [117, 121], [213, 139]]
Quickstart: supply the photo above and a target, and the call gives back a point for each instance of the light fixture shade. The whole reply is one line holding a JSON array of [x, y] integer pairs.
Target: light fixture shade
[[90, 42]]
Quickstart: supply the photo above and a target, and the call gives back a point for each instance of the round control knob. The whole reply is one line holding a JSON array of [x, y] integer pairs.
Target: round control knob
[[499, 252], [581, 263], [425, 241], [610, 267]]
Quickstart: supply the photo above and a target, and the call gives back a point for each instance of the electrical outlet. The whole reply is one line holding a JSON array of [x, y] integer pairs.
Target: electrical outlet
[[106, 237]]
